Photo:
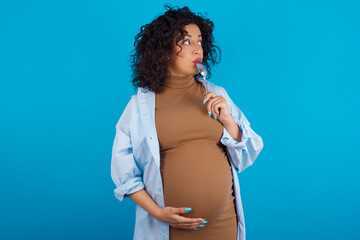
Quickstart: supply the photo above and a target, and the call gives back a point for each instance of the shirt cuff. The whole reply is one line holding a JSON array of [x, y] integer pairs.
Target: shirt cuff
[[227, 140], [134, 185]]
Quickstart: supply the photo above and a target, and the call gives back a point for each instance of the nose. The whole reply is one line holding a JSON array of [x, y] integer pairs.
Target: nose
[[198, 49]]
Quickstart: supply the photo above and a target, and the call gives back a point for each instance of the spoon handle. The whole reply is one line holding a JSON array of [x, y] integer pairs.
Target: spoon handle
[[206, 87]]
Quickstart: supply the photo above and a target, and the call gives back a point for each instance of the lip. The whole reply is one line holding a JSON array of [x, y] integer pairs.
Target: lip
[[198, 60]]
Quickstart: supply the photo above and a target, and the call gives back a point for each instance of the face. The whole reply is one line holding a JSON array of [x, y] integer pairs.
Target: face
[[181, 64]]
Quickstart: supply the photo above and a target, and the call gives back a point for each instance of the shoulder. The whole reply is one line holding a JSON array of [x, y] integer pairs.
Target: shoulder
[[132, 103], [133, 98], [129, 112]]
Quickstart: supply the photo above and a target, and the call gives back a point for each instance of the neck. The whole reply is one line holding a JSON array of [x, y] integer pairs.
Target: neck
[[179, 81]]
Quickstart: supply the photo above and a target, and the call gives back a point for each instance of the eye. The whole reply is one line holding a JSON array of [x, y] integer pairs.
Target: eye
[[187, 42]]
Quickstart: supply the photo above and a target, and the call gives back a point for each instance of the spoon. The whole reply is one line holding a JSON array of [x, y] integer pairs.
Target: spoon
[[203, 72]]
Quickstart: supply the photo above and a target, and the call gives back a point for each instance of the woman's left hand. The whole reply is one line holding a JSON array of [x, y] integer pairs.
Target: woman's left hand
[[217, 107]]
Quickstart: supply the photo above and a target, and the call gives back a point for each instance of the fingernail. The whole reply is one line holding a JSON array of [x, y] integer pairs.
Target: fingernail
[[209, 113], [205, 222], [215, 117], [204, 101], [217, 114], [195, 228], [188, 209], [202, 226]]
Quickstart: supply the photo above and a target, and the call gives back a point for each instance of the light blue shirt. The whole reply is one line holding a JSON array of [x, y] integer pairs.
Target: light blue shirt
[[135, 162]]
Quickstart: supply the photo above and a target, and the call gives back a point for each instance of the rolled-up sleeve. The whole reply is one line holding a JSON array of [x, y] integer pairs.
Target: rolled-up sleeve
[[125, 172], [243, 153]]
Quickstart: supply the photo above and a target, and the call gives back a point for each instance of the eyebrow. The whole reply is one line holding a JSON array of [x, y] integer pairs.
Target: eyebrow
[[190, 35]]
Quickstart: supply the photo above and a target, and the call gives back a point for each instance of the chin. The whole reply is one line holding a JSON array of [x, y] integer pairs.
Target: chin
[[195, 70]]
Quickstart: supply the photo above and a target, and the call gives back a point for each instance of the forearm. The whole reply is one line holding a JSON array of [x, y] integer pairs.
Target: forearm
[[233, 129], [143, 199]]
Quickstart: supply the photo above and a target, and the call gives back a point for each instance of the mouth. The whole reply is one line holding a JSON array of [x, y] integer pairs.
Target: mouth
[[198, 60]]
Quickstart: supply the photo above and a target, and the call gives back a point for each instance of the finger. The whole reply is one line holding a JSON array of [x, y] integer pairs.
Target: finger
[[191, 226], [187, 228], [219, 105], [197, 223], [208, 96], [211, 107], [221, 102], [209, 102], [184, 220], [215, 106], [182, 210], [196, 226]]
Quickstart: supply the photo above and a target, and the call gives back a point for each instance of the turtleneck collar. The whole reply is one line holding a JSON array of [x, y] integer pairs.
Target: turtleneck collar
[[180, 81]]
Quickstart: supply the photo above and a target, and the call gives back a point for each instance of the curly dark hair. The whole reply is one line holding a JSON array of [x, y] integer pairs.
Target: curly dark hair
[[154, 43]]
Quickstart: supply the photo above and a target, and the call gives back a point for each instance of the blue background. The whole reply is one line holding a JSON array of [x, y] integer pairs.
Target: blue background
[[292, 67]]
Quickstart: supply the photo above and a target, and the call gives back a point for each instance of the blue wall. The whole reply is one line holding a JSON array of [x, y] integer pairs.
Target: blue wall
[[293, 68]]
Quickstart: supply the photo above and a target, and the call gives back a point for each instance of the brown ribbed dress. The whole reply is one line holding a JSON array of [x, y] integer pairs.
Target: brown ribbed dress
[[194, 166]]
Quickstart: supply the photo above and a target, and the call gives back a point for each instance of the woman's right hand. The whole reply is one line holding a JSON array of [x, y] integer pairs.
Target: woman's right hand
[[171, 216]]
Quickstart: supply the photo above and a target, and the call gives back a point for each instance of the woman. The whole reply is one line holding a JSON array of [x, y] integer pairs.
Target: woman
[[178, 149]]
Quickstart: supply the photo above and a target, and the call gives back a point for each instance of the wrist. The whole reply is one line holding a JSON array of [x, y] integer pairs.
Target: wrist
[[157, 213], [233, 129], [228, 122]]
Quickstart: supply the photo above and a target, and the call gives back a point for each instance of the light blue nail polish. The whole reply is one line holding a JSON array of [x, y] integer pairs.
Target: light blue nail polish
[[215, 117], [217, 114], [202, 226], [204, 101], [209, 113], [188, 209], [205, 222], [195, 228]]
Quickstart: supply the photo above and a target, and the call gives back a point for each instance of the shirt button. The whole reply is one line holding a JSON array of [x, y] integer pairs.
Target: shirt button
[[151, 137]]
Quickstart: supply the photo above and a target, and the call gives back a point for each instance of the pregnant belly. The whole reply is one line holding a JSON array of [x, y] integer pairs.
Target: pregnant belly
[[197, 175]]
